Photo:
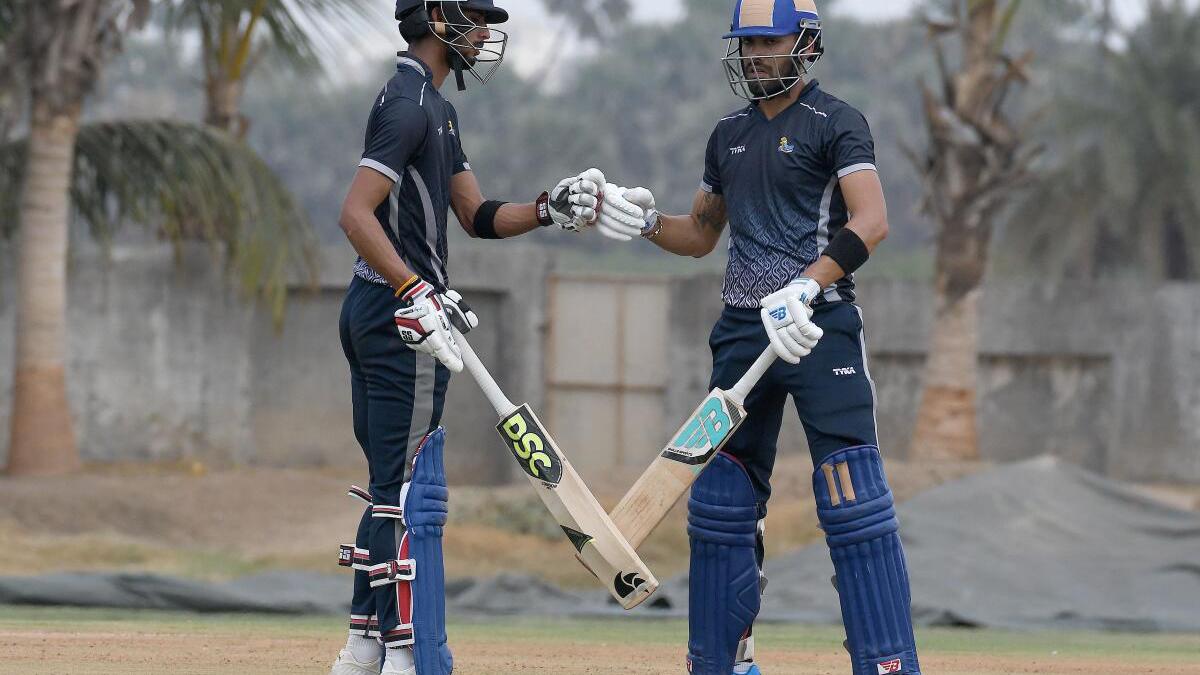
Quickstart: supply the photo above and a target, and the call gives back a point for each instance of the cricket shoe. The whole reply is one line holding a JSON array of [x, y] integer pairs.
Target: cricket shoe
[[346, 664], [753, 670]]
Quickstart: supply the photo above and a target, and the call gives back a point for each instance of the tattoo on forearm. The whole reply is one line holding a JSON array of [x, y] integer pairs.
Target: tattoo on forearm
[[710, 212]]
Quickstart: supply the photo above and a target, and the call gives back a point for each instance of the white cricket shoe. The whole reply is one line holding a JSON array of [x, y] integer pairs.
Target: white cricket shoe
[[398, 662], [346, 664]]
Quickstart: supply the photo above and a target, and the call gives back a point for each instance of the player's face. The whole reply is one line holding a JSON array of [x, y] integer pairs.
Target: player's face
[[471, 42], [769, 67], [477, 37]]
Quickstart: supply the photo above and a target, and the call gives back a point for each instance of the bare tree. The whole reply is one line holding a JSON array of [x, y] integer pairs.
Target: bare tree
[[975, 158]]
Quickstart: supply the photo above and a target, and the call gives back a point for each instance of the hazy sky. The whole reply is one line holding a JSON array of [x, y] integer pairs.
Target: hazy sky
[[533, 35]]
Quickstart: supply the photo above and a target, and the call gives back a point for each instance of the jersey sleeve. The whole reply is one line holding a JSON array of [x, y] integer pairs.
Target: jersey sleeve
[[396, 134], [712, 166], [850, 145]]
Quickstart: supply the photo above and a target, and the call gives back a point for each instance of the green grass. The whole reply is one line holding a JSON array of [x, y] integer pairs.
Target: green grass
[[1149, 648]]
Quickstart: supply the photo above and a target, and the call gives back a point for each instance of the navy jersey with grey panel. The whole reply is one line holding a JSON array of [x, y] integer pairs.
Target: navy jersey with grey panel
[[412, 138], [779, 178]]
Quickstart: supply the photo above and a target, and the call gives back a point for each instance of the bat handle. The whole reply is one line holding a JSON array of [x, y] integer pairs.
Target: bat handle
[[741, 390], [486, 382]]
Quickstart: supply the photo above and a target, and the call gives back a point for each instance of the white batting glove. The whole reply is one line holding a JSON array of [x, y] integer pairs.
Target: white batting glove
[[575, 201], [787, 316], [424, 326], [642, 197], [620, 218]]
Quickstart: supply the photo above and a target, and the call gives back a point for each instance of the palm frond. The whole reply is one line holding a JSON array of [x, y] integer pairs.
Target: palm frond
[[185, 182], [298, 31]]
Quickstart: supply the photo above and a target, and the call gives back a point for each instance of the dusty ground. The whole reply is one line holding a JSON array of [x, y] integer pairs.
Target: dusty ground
[[33, 642], [188, 521]]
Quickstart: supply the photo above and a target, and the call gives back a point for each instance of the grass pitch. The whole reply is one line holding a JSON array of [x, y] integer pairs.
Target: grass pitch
[[95, 642]]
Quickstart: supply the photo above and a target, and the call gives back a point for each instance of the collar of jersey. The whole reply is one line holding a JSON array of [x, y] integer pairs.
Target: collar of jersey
[[407, 60], [806, 92]]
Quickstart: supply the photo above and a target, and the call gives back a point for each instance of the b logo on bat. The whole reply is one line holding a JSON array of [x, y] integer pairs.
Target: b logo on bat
[[704, 432], [528, 442]]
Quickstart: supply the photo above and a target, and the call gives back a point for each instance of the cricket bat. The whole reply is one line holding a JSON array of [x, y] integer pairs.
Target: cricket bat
[[691, 449], [599, 545]]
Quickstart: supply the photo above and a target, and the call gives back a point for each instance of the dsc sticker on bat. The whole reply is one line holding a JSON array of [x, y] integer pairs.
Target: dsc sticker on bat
[[527, 440]]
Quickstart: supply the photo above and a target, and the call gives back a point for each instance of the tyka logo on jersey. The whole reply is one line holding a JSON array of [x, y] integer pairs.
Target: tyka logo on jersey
[[786, 147], [738, 150]]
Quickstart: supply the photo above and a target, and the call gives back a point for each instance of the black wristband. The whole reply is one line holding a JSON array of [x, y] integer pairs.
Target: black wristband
[[847, 250], [485, 220], [543, 210]]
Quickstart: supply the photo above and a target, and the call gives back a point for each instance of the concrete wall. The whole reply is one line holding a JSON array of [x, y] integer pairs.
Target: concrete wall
[[1106, 377], [167, 362]]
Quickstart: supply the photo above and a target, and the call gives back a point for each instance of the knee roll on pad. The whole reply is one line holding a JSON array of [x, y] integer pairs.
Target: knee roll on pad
[[723, 585], [857, 512]]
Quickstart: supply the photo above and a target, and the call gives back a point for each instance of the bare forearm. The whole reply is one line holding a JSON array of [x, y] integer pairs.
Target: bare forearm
[[680, 235], [695, 234], [513, 220], [367, 237]]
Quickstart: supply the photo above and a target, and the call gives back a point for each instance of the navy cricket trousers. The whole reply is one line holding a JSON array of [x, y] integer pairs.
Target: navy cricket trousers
[[831, 387], [397, 396]]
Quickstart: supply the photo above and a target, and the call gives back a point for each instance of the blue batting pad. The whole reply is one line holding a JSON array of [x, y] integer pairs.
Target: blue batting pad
[[425, 510], [858, 514], [723, 583]]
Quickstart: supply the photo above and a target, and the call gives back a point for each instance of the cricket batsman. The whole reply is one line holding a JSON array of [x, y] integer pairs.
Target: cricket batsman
[[793, 174], [398, 313]]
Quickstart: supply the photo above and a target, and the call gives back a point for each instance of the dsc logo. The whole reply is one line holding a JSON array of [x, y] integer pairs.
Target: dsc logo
[[528, 443]]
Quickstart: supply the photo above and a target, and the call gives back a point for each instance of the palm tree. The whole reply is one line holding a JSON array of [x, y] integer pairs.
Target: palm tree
[[1123, 197], [975, 157], [236, 36], [59, 47], [192, 182]]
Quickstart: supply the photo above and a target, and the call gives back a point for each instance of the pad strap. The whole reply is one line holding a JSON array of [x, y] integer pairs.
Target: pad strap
[[364, 626], [354, 557], [392, 571], [360, 494]]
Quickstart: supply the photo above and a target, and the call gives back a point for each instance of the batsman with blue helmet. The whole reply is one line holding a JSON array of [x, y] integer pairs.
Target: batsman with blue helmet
[[397, 318], [793, 175]]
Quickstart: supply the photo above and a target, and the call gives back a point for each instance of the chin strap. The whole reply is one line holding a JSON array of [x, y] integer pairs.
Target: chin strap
[[458, 64]]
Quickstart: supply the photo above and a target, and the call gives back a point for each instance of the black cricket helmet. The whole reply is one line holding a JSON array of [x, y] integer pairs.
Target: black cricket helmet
[[481, 57]]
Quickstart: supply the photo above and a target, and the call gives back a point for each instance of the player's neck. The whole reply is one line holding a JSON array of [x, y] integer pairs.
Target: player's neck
[[433, 53], [771, 107]]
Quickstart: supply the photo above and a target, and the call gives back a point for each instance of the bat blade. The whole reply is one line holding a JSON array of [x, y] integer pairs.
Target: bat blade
[[598, 543], [672, 473]]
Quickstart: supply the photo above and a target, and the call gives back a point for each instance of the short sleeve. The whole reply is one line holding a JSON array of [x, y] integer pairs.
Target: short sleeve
[[850, 145], [461, 163], [712, 166], [395, 135]]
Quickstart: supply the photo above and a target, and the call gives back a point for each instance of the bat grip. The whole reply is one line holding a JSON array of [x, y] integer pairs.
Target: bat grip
[[741, 390], [483, 378]]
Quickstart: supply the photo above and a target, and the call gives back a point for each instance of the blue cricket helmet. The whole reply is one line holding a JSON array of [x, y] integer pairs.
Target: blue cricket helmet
[[772, 18]]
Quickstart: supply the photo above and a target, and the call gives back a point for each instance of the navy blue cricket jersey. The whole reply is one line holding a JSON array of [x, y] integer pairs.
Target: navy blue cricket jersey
[[412, 138], [779, 179]]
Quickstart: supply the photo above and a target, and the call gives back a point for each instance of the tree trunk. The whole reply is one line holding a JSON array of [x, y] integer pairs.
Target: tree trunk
[[43, 437], [223, 106], [946, 427]]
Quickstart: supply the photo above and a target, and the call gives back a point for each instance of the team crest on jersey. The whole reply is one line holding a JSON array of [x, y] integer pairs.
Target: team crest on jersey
[[786, 147], [450, 125]]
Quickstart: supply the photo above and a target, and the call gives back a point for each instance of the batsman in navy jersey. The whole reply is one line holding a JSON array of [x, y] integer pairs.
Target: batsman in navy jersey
[[397, 318], [793, 175]]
